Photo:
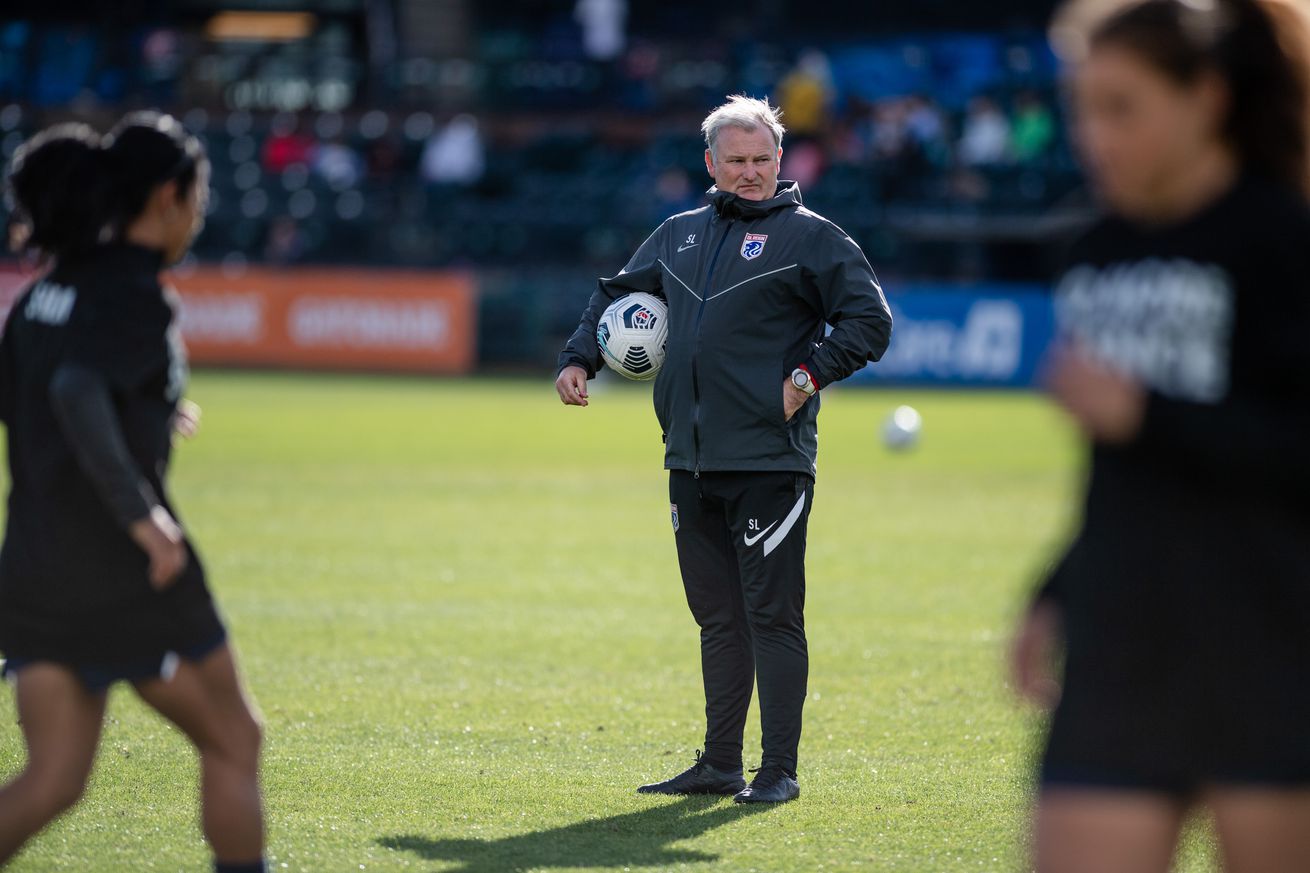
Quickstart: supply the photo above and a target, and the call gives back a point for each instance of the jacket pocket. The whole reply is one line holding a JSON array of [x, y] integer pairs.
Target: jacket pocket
[[775, 399], [753, 402], [661, 399]]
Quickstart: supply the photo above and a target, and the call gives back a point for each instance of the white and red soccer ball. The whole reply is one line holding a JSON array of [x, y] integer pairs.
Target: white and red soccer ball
[[633, 334]]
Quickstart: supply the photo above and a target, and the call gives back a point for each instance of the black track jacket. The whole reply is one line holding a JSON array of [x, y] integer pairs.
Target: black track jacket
[[750, 286]]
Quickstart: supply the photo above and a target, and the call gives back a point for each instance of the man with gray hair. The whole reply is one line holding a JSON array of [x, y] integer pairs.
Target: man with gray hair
[[751, 281]]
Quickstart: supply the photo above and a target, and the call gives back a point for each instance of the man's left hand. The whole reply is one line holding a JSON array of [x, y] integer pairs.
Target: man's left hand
[[793, 399]]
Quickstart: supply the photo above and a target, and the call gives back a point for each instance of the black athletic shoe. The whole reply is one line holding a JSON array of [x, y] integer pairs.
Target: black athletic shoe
[[702, 778], [770, 785]]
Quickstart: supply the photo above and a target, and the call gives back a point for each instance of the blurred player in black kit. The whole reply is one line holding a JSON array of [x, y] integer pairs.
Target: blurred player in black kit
[[1183, 602], [98, 582]]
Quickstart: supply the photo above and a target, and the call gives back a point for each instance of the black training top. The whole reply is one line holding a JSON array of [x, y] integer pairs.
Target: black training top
[[1194, 544], [91, 370]]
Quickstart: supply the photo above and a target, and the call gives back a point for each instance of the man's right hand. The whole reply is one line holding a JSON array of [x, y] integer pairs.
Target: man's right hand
[[572, 386], [161, 539]]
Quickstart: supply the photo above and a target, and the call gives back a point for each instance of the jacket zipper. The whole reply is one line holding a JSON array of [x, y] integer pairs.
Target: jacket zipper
[[695, 375]]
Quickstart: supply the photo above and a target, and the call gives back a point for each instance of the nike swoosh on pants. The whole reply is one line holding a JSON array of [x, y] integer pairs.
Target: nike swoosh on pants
[[787, 524], [752, 540]]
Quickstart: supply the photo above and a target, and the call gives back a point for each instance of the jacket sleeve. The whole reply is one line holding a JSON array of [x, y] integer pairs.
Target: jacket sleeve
[[85, 411], [846, 292], [643, 273]]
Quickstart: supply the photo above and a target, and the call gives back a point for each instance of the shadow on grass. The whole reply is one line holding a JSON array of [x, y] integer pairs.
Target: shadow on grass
[[634, 839]]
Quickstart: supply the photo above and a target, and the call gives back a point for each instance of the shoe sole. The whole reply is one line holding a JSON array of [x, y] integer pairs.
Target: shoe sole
[[737, 798], [727, 792]]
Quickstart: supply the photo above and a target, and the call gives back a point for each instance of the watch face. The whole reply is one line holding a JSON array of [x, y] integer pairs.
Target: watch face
[[800, 379]]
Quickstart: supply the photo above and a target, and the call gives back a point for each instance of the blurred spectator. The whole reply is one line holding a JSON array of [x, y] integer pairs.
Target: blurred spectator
[[286, 144], [454, 155], [806, 94], [889, 135], [285, 243], [968, 185], [1034, 127], [639, 77], [986, 137], [803, 163], [673, 194], [337, 164], [384, 157], [602, 27], [846, 144], [926, 149], [161, 63], [926, 125]]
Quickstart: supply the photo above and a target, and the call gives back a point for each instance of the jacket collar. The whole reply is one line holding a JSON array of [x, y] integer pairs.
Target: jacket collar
[[730, 206]]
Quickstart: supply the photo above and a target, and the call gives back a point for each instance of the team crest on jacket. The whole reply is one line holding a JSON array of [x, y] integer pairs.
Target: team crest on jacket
[[753, 245], [673, 511]]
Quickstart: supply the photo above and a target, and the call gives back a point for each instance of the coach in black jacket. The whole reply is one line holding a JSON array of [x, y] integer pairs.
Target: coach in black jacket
[[751, 281]]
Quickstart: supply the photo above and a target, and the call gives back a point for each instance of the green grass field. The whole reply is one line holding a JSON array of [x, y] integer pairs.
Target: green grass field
[[458, 607]]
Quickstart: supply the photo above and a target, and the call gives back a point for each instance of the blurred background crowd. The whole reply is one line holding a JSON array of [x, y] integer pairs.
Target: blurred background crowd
[[554, 136]]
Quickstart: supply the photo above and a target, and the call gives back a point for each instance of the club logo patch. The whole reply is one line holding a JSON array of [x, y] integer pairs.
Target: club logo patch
[[753, 245], [673, 511]]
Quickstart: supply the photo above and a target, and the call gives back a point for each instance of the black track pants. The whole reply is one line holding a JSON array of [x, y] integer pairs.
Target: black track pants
[[741, 549]]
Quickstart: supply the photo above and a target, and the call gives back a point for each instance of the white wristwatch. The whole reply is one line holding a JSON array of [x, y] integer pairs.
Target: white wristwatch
[[800, 377]]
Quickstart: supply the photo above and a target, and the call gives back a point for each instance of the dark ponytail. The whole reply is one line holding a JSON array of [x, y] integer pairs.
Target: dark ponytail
[[1257, 48], [56, 188], [71, 189], [143, 151]]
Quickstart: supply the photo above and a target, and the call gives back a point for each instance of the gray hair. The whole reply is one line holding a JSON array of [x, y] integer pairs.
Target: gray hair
[[746, 113]]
